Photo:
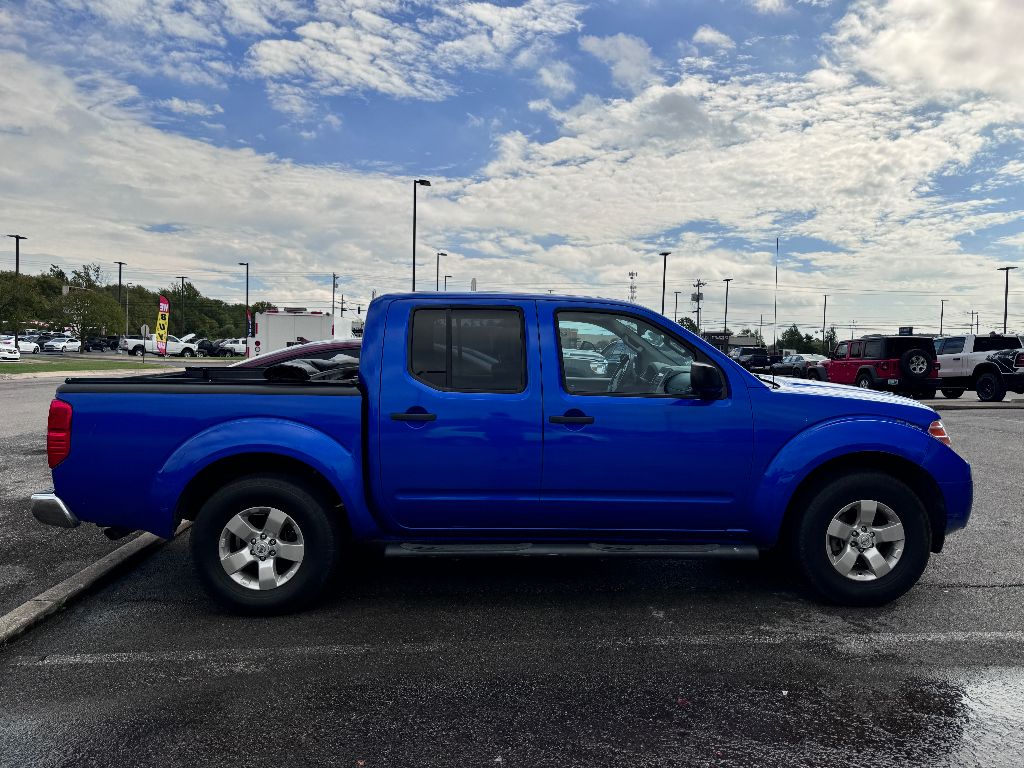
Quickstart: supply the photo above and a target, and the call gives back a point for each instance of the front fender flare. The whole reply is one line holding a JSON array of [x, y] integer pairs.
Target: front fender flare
[[258, 435], [822, 443]]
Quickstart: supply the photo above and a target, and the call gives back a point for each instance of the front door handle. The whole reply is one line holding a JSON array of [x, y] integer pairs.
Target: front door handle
[[413, 416], [571, 419]]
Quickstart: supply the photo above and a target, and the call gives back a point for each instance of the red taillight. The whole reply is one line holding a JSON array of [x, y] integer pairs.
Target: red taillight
[[58, 433], [938, 431], [1019, 361]]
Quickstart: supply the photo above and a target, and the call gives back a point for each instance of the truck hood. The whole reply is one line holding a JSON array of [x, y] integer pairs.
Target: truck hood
[[855, 401]]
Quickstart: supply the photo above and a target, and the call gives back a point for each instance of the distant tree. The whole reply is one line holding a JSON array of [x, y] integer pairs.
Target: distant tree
[[689, 325], [86, 313]]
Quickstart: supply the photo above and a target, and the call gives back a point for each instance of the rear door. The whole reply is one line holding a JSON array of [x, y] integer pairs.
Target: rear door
[[951, 357], [459, 424]]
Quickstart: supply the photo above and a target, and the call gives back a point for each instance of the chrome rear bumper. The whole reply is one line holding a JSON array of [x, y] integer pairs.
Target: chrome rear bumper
[[49, 509]]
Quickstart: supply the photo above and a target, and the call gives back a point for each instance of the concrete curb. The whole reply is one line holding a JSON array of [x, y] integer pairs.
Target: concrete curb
[[1013, 405], [87, 374], [34, 611]]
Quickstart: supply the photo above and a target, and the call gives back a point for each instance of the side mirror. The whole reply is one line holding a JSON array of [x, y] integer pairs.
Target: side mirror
[[706, 381]]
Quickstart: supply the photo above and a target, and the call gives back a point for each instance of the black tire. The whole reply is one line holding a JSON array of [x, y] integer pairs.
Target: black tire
[[186, 353], [925, 394], [138, 351], [990, 388], [315, 517], [810, 548], [916, 364], [864, 381], [952, 394]]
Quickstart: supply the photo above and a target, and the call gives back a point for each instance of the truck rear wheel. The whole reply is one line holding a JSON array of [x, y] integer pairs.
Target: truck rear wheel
[[952, 394], [265, 544], [990, 388], [862, 540]]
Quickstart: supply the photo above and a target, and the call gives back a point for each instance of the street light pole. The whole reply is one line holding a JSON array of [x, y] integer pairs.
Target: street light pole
[[675, 313], [437, 277], [248, 331], [446, 281], [119, 265], [824, 312], [942, 313], [17, 272], [664, 271], [183, 278], [416, 184], [127, 290], [1006, 293], [725, 322]]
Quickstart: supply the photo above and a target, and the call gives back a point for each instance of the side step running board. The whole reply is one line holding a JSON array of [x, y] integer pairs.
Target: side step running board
[[527, 549]]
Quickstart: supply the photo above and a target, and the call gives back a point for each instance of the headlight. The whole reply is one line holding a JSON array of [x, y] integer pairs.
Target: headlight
[[600, 368]]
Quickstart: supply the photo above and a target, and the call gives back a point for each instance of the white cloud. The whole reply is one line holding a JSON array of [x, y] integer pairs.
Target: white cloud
[[632, 63], [947, 49], [557, 79], [706, 35], [769, 6], [190, 108]]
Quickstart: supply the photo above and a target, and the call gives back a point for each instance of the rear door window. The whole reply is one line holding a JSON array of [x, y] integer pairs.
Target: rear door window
[[855, 349], [468, 350], [873, 349]]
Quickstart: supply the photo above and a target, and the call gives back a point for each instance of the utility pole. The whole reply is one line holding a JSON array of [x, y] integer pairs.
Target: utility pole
[[973, 313], [415, 185], [664, 271], [697, 297], [341, 307], [334, 287], [725, 322], [248, 323], [127, 290], [632, 287], [675, 314], [119, 265], [446, 281], [942, 313], [17, 274], [183, 278], [1006, 293], [437, 279], [824, 312]]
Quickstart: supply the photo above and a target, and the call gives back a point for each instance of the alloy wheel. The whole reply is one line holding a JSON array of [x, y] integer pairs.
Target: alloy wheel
[[865, 540], [261, 548]]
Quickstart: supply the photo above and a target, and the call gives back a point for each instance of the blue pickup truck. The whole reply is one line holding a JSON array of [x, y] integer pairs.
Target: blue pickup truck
[[462, 430]]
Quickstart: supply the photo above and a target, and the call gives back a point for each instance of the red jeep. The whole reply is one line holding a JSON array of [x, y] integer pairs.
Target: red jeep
[[901, 364]]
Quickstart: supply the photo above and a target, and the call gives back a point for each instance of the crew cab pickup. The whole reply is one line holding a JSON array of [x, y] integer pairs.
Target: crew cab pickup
[[462, 432], [989, 365], [176, 347]]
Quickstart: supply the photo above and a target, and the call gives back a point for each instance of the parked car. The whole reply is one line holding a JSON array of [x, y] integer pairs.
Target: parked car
[[175, 347], [62, 344], [312, 350], [231, 348], [26, 344], [9, 352], [798, 365], [905, 365], [436, 450], [101, 343], [751, 358], [989, 365]]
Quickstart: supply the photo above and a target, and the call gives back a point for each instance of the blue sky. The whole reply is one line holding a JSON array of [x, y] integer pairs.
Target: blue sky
[[568, 143]]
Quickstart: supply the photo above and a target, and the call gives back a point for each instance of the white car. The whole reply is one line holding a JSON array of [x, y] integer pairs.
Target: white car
[[135, 345], [62, 344], [8, 351], [27, 345]]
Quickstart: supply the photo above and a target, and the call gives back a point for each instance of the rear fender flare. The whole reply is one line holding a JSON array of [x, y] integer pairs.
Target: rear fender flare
[[264, 436], [822, 443]]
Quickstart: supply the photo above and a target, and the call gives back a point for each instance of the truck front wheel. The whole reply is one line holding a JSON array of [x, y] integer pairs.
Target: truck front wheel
[[265, 544], [863, 539]]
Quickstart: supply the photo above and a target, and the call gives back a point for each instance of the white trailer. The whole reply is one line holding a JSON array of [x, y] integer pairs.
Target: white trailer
[[277, 329]]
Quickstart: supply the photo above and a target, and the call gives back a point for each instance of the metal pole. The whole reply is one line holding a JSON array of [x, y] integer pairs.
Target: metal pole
[[942, 313], [664, 271], [1006, 293], [824, 311], [437, 277], [725, 322], [246, 265], [675, 314], [119, 265], [415, 183], [17, 274], [446, 281]]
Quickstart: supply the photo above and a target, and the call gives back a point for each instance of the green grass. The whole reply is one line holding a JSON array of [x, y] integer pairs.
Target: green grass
[[76, 365]]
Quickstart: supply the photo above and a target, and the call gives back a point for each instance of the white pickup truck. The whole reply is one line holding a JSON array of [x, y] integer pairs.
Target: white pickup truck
[[989, 365], [175, 347]]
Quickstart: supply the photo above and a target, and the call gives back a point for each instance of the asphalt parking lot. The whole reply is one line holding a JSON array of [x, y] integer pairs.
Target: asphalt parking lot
[[523, 662]]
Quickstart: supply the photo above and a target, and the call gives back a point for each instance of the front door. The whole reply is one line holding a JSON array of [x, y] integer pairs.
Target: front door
[[839, 371], [459, 422], [620, 453]]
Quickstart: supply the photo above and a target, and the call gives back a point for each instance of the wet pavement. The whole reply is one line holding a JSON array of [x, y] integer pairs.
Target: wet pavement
[[547, 662]]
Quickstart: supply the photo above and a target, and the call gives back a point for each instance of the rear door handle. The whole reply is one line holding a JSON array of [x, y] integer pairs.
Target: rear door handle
[[571, 419], [413, 416]]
